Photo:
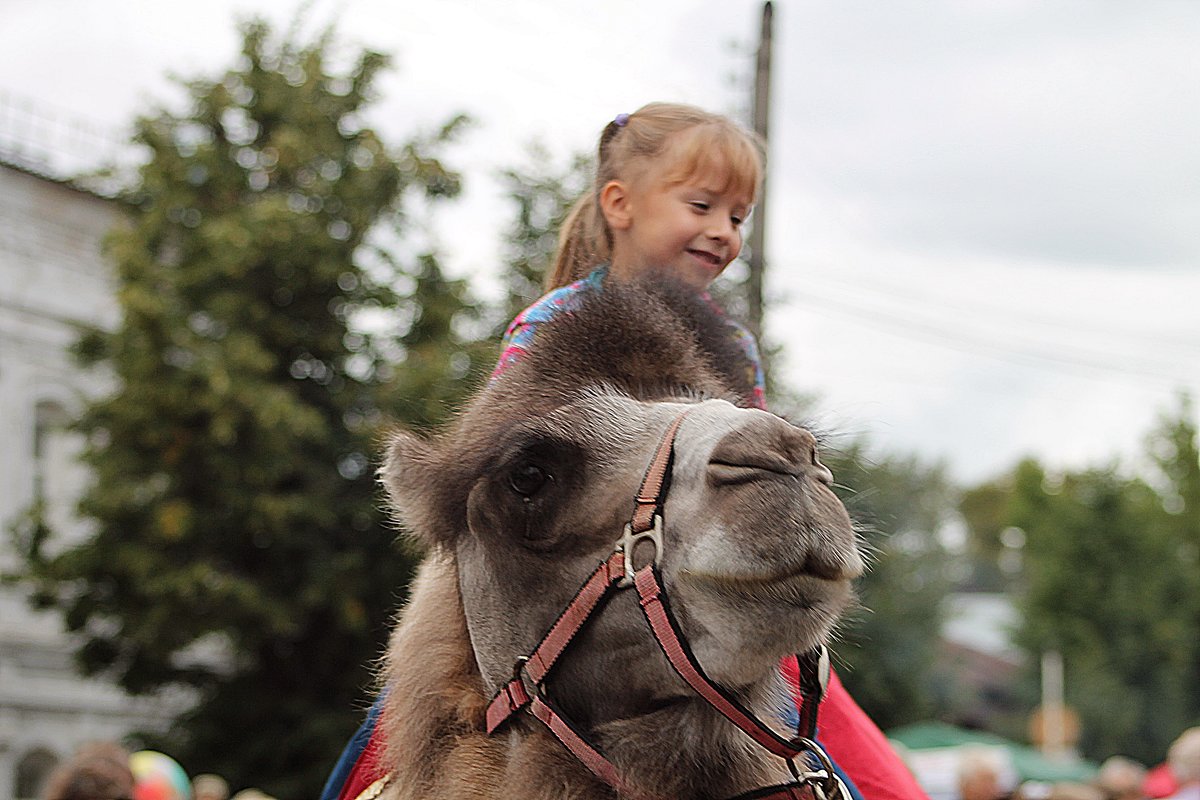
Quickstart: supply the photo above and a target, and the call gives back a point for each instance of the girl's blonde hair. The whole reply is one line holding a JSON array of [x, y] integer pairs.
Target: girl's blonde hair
[[688, 141]]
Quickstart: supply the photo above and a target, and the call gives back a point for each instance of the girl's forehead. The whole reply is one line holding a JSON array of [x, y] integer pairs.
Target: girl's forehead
[[712, 174], [712, 157], [714, 183], [718, 182]]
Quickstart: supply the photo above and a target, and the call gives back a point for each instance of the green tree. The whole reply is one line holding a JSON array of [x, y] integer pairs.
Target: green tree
[[984, 510], [444, 348], [1105, 584], [239, 547], [1174, 447]]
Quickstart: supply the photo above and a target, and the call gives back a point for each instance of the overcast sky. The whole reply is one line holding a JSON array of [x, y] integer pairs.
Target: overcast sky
[[984, 215]]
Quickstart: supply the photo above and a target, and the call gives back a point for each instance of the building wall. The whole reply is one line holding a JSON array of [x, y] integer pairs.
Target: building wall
[[52, 279]]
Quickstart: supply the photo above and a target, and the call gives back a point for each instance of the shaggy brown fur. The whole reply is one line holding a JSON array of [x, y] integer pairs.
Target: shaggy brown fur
[[648, 343]]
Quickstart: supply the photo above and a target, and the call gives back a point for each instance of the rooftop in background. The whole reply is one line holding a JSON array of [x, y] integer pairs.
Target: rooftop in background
[[38, 138]]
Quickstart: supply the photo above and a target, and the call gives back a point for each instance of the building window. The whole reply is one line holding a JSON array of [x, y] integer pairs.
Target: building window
[[32, 771], [50, 420], [59, 479]]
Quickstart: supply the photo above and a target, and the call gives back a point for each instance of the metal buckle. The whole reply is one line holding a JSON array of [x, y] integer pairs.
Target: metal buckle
[[825, 782], [629, 542]]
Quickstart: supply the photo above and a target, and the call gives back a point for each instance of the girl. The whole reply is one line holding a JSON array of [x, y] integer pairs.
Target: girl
[[674, 185]]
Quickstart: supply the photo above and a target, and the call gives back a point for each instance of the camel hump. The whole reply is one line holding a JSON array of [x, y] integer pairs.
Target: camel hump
[[650, 339]]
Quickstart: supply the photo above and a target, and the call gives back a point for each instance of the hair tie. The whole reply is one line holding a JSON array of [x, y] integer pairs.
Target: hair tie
[[620, 120]]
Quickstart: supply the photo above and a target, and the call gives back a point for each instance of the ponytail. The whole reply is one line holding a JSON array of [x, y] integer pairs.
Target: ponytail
[[583, 243]]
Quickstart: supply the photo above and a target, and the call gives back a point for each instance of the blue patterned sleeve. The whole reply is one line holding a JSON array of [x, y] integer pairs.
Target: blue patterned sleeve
[[746, 340], [520, 332]]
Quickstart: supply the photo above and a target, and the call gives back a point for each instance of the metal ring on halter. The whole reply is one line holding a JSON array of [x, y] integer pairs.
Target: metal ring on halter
[[826, 783], [629, 542]]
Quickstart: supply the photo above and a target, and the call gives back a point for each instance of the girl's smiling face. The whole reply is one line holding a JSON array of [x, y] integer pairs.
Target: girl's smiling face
[[690, 229]]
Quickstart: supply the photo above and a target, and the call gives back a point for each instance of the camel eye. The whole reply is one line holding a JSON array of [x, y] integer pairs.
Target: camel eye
[[527, 478]]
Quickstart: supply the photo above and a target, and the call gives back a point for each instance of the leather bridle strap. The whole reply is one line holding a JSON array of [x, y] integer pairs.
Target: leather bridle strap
[[580, 747], [650, 495], [783, 791], [604, 769], [812, 670], [617, 571], [617, 567], [513, 696], [653, 599]]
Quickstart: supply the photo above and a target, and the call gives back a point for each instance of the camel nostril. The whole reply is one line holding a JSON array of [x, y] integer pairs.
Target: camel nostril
[[767, 445]]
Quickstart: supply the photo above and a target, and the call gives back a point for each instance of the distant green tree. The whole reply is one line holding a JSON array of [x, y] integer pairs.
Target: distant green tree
[[1174, 447], [1110, 582], [445, 349], [239, 545], [984, 510], [886, 652]]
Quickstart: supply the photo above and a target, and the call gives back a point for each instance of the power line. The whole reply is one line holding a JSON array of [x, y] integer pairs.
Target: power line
[[1009, 316], [962, 338]]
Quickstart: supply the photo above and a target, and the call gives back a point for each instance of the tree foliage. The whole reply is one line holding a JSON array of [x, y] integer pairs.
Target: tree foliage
[[1109, 580], [984, 509], [239, 546]]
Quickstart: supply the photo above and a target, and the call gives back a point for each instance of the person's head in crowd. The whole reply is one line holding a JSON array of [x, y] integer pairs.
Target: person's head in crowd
[[98, 771], [1184, 757], [981, 775], [1074, 790], [1121, 778], [209, 787]]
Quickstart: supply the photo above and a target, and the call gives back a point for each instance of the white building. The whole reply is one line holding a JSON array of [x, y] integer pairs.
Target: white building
[[52, 279]]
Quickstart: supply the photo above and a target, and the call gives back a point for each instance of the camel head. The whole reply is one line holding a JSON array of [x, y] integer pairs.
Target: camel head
[[532, 486]]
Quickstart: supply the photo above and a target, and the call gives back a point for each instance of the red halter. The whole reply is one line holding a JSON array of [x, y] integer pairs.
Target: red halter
[[618, 572]]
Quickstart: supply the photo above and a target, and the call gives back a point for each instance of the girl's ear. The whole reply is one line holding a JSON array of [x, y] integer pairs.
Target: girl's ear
[[615, 205]]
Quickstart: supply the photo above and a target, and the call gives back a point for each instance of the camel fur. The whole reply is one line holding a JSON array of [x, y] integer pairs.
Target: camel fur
[[526, 491]]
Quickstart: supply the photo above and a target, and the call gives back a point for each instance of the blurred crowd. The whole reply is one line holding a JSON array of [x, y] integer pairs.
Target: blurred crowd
[[982, 777], [107, 771]]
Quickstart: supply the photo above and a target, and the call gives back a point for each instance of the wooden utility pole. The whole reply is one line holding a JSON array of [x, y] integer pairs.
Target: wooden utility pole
[[762, 113]]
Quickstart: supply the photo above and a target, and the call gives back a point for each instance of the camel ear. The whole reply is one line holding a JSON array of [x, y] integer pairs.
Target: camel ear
[[410, 474]]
